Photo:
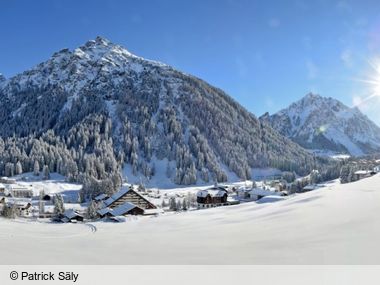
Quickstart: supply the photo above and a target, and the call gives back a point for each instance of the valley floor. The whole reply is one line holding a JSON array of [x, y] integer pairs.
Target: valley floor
[[338, 224]]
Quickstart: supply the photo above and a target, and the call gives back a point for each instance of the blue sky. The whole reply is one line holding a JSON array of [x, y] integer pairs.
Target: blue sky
[[265, 54]]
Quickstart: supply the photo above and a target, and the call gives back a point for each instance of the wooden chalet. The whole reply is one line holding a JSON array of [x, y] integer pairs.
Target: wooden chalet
[[19, 191], [128, 195], [7, 180], [258, 193], [212, 197], [72, 216], [360, 174], [2, 188], [23, 209]]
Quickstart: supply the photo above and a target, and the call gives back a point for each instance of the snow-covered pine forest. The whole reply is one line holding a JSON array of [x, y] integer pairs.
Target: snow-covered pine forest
[[90, 112]]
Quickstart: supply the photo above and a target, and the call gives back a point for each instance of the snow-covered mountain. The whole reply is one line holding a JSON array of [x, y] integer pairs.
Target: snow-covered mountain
[[316, 122], [109, 108]]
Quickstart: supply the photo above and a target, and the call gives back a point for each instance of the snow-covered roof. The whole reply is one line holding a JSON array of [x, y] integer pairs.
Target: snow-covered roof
[[101, 197], [123, 209], [310, 187], [213, 192], [116, 196], [120, 210], [18, 187], [71, 213], [261, 192], [362, 172], [270, 199], [103, 211], [121, 193], [243, 189]]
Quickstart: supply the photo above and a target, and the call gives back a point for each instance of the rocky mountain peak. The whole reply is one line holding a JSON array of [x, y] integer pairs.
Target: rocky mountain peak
[[317, 122]]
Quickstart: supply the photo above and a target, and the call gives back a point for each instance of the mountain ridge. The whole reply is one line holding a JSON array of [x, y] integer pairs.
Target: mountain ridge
[[99, 101], [317, 122]]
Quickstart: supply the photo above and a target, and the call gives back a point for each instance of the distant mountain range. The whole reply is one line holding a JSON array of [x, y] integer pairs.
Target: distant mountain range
[[105, 109], [320, 123]]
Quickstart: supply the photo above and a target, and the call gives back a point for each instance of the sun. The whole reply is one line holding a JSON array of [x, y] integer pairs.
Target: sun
[[373, 83], [374, 79]]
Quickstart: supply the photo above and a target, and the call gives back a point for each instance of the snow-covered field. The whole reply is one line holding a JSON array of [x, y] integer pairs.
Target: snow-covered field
[[338, 224], [55, 184]]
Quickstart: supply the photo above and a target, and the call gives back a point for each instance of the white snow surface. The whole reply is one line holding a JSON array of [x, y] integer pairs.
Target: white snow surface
[[337, 224]]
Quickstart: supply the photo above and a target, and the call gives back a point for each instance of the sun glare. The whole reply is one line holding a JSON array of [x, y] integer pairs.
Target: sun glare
[[373, 83], [374, 80]]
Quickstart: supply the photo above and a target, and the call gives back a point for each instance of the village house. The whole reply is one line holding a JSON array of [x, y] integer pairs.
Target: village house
[[72, 216], [7, 180], [243, 192], [3, 202], [360, 174], [258, 193], [128, 195], [2, 189], [308, 188], [124, 209], [212, 197], [18, 191], [125, 202], [376, 169], [23, 209]]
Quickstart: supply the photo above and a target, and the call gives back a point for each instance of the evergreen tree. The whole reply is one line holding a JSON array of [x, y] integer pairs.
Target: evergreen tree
[[46, 172], [59, 207], [173, 204], [92, 210], [184, 205], [18, 168], [36, 168], [9, 211]]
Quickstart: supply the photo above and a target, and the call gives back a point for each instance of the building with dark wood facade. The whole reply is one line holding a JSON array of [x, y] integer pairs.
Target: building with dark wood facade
[[128, 195], [212, 197]]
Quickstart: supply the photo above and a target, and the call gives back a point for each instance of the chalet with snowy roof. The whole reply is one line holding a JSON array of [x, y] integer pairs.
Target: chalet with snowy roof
[[128, 195], [23, 209], [212, 197], [72, 216], [18, 191], [258, 193], [7, 180], [124, 209], [243, 192], [360, 174], [308, 188], [376, 169]]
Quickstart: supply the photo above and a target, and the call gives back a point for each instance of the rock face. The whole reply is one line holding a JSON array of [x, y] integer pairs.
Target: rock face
[[151, 115], [321, 123]]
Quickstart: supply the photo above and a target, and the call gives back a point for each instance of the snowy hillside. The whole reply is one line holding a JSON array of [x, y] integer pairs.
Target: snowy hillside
[[338, 224], [94, 111], [317, 122]]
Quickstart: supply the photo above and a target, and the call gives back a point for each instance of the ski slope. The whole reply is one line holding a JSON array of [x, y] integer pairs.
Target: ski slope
[[338, 224]]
